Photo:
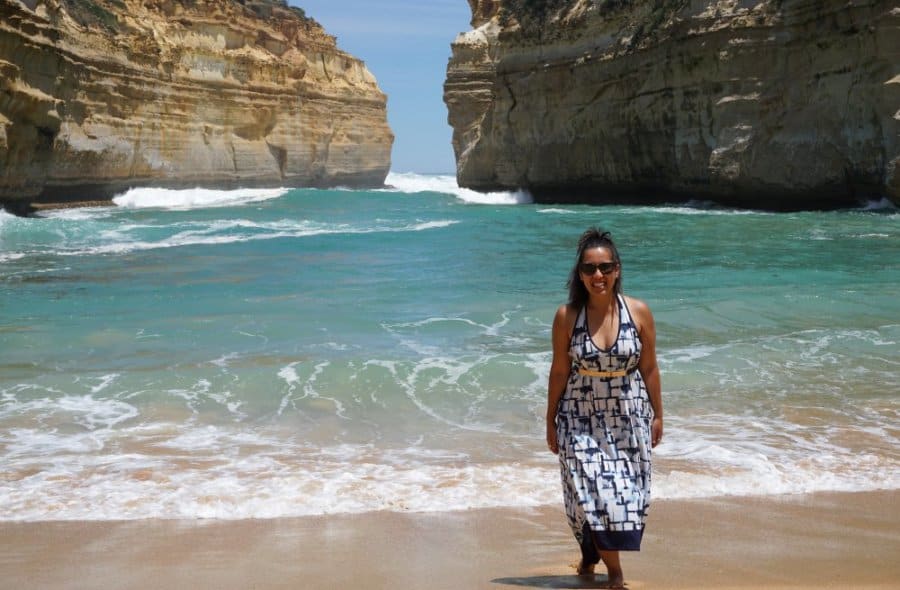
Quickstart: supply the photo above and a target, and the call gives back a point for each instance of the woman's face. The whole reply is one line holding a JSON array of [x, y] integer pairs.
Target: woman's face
[[598, 271]]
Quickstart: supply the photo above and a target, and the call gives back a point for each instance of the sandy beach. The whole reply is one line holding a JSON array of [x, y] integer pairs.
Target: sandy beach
[[827, 540]]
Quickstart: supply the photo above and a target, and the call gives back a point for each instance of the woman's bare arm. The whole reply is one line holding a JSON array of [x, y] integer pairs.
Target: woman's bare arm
[[559, 370], [648, 366]]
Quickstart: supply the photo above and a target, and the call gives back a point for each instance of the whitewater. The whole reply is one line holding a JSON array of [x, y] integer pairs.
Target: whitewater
[[286, 352]]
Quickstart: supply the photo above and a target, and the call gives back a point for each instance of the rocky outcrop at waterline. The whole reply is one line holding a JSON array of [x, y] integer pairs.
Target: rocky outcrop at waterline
[[100, 95], [785, 104]]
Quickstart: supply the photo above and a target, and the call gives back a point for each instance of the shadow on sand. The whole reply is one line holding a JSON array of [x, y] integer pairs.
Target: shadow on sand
[[597, 581]]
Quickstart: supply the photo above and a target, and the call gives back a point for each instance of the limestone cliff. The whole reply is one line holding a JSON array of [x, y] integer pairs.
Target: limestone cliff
[[785, 104], [99, 95]]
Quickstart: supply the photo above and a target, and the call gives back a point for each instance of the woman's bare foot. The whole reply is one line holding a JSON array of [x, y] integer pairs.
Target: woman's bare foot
[[585, 569], [614, 576], [615, 581]]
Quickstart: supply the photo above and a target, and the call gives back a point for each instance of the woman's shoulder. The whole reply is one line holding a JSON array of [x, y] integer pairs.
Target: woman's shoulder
[[640, 311], [564, 324], [567, 310], [566, 315], [635, 304]]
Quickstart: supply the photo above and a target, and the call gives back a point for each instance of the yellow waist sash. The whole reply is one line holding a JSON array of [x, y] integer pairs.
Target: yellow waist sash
[[590, 373]]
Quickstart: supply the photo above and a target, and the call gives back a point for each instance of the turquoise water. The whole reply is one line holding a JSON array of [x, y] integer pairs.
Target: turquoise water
[[237, 354]]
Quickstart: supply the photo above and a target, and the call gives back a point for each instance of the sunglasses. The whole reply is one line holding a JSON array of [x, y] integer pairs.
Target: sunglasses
[[586, 268]]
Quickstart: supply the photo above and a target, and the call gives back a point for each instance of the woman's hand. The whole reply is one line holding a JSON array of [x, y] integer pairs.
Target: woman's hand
[[551, 437], [656, 431]]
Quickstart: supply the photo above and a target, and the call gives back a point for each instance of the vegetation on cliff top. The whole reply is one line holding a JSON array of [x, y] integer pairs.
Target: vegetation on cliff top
[[542, 18], [91, 13], [103, 13], [531, 12]]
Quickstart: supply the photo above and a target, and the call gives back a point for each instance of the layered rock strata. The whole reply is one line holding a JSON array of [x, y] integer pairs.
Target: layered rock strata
[[785, 104], [99, 95]]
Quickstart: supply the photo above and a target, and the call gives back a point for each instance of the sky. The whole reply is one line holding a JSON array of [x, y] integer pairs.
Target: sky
[[406, 45]]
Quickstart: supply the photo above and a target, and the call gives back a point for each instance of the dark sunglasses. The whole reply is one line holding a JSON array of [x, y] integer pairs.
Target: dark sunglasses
[[586, 268]]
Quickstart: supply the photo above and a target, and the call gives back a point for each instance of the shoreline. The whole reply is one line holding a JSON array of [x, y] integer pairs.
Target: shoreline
[[820, 540]]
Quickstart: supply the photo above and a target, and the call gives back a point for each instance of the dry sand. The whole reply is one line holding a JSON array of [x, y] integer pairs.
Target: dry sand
[[835, 540]]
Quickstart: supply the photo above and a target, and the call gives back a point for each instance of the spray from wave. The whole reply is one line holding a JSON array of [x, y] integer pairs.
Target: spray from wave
[[883, 205], [141, 198], [410, 182], [5, 217]]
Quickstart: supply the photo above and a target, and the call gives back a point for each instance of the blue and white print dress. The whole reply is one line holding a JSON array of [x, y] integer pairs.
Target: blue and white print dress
[[603, 432]]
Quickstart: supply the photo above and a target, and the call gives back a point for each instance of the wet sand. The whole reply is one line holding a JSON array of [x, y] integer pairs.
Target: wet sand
[[833, 540]]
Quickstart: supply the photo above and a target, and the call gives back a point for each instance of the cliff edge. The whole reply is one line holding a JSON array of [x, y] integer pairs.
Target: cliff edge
[[776, 104], [100, 95]]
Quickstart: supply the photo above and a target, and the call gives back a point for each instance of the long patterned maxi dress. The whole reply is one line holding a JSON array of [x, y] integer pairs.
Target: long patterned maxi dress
[[603, 431]]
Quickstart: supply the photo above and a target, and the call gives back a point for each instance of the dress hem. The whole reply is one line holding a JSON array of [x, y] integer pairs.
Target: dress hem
[[594, 541]]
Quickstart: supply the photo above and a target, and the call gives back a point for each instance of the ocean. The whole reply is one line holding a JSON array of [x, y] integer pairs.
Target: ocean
[[272, 353]]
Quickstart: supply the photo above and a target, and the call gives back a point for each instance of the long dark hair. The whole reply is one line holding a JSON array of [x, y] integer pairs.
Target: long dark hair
[[592, 238]]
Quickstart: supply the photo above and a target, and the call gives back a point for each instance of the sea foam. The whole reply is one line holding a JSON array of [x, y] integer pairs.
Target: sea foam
[[216, 472], [141, 237], [409, 182], [139, 198]]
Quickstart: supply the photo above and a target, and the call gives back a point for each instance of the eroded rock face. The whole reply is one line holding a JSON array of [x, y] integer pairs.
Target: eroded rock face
[[785, 104], [98, 95]]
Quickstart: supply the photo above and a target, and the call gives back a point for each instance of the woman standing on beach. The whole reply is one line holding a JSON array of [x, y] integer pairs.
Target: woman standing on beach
[[604, 408]]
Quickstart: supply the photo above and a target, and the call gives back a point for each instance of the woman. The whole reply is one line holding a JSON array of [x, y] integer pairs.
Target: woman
[[604, 408]]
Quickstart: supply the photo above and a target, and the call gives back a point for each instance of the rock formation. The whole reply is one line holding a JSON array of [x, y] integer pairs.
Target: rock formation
[[783, 104], [99, 95]]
